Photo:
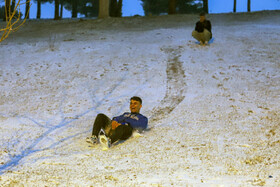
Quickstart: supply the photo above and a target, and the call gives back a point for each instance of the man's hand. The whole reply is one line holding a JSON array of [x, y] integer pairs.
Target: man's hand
[[115, 125]]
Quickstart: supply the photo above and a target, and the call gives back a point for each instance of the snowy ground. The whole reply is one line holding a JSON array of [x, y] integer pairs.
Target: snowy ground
[[214, 110]]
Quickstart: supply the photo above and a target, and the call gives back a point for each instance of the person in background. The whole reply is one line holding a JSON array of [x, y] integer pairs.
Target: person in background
[[202, 32], [107, 131]]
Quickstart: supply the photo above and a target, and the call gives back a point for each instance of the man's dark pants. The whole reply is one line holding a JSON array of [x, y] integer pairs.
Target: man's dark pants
[[102, 121]]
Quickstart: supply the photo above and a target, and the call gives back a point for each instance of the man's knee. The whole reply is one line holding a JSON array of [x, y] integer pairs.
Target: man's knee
[[101, 116], [206, 31], [194, 33], [207, 34]]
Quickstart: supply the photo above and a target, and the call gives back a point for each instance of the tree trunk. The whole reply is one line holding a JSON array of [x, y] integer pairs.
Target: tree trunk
[[56, 9], [61, 9], [115, 8], [111, 5], [74, 8], [234, 5], [38, 9], [7, 10], [205, 6], [119, 8], [112, 8], [27, 6], [249, 5], [171, 6], [103, 9], [13, 5]]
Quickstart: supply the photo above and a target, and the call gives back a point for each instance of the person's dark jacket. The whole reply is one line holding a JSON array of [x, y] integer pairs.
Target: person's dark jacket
[[200, 26]]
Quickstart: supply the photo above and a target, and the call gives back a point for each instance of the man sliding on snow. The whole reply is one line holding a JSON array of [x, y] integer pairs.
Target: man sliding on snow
[[202, 30], [107, 131]]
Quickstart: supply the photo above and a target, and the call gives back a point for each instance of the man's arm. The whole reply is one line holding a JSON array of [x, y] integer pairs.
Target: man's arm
[[120, 118], [196, 27], [199, 27], [208, 26], [117, 121], [115, 124], [140, 124]]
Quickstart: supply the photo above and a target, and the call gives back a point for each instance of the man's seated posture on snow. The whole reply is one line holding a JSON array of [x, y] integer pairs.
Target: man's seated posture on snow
[[202, 30], [108, 131]]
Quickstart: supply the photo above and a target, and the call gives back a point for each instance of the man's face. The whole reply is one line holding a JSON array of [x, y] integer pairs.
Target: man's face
[[135, 106], [202, 18]]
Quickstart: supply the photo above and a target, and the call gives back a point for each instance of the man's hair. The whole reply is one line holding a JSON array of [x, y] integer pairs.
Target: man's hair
[[136, 98], [202, 14]]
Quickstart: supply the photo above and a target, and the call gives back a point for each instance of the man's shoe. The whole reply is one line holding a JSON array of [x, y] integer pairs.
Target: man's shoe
[[105, 141], [92, 140]]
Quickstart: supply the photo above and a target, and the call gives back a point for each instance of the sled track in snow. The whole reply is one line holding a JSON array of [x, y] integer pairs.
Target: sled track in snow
[[175, 85]]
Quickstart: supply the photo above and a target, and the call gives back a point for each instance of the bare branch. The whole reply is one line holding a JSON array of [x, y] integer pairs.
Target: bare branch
[[13, 21]]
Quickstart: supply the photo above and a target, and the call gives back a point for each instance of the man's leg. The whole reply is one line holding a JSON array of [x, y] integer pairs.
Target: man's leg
[[206, 35], [101, 121], [197, 35], [122, 132]]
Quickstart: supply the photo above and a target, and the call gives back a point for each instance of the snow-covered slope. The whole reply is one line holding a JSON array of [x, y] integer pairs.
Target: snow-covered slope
[[214, 110]]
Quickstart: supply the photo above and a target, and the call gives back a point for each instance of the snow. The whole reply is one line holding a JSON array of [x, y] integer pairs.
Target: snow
[[213, 110]]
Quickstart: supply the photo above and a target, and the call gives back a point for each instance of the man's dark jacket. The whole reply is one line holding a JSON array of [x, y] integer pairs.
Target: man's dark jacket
[[200, 26]]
